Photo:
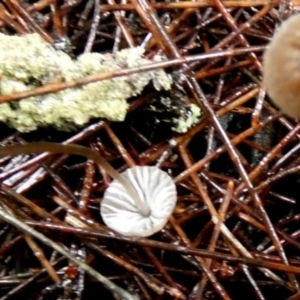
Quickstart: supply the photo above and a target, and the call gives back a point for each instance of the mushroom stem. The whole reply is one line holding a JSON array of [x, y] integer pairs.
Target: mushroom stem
[[77, 150]]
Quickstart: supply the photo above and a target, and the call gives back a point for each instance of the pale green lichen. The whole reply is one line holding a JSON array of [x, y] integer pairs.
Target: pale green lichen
[[177, 112], [183, 124], [28, 61]]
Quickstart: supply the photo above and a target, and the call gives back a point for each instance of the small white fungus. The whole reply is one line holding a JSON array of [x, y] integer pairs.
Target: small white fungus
[[157, 192]]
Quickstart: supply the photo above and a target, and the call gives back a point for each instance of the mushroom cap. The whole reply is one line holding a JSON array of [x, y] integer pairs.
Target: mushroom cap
[[156, 190], [281, 67]]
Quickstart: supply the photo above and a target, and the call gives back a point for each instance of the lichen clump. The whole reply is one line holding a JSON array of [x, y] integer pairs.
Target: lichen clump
[[177, 112], [182, 124], [27, 62]]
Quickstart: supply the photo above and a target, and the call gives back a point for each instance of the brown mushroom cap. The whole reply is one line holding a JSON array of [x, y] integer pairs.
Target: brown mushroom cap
[[281, 67], [156, 191]]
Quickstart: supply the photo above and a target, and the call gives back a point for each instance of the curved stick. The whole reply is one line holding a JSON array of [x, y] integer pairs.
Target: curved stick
[[76, 150]]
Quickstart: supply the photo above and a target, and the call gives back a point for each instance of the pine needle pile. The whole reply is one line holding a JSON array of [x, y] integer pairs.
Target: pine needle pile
[[201, 114]]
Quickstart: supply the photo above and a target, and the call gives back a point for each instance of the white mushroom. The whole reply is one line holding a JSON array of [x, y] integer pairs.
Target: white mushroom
[[157, 195]]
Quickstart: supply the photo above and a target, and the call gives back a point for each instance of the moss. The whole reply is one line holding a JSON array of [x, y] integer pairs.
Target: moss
[[28, 61]]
